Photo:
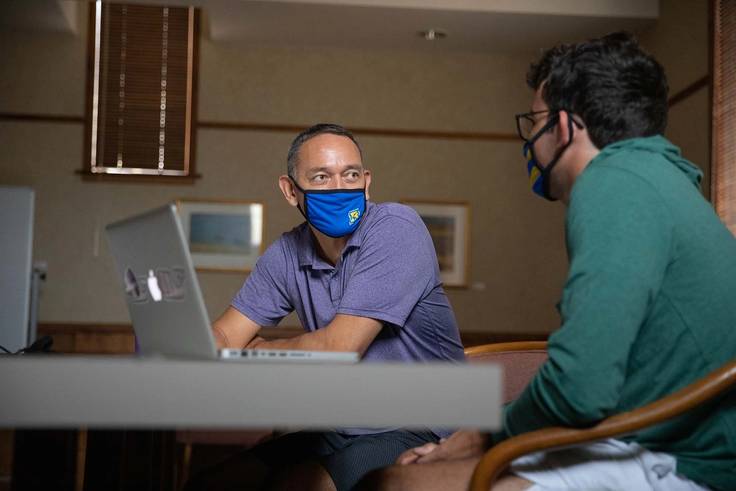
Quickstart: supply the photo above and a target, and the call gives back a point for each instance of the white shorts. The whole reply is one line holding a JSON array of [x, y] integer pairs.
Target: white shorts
[[606, 465]]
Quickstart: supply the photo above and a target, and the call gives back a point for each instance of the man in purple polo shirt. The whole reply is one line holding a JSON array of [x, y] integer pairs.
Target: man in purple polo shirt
[[361, 277]]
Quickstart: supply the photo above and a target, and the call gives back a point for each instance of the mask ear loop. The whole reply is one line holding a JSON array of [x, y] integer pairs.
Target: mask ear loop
[[298, 206], [547, 171]]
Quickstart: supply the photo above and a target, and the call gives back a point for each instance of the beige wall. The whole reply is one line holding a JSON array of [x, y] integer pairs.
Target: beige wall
[[517, 253], [680, 41]]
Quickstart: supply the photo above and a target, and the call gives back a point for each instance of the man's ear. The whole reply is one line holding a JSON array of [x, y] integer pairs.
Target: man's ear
[[367, 175], [563, 128], [288, 190]]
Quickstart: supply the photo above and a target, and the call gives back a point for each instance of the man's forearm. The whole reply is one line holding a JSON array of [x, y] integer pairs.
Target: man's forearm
[[316, 340], [344, 333]]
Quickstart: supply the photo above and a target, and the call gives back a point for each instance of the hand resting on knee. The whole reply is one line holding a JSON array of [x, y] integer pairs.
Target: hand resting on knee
[[462, 444]]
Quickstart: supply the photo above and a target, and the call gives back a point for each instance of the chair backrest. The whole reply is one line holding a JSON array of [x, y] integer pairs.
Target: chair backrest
[[519, 361]]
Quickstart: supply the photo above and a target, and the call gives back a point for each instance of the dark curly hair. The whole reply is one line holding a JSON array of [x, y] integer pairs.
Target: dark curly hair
[[617, 89]]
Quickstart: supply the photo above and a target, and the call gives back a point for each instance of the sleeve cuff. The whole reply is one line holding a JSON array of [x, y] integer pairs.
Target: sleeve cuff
[[373, 314], [524, 415], [254, 316]]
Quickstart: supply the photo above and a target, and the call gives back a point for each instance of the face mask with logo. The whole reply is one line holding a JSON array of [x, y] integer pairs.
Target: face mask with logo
[[539, 177], [334, 212]]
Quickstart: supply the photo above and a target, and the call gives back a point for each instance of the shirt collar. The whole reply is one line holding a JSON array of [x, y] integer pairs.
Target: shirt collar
[[306, 243]]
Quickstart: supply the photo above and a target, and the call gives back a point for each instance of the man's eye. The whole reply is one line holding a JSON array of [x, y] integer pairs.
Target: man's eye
[[319, 178], [353, 175]]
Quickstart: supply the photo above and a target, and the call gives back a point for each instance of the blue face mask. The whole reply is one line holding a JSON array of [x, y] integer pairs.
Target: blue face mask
[[334, 212]]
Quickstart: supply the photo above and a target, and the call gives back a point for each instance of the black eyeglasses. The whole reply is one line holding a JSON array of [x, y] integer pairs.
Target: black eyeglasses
[[525, 122]]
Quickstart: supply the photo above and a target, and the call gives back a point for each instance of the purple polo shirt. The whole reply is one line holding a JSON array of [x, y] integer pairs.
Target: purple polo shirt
[[388, 272]]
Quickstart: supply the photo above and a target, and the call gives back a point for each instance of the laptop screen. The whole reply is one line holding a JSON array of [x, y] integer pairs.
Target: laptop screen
[[161, 289]]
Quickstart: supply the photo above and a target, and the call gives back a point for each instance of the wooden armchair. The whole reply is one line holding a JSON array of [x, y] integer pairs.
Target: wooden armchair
[[520, 360], [495, 461]]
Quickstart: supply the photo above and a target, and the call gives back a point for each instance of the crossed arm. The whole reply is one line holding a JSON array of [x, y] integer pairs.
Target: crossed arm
[[344, 333]]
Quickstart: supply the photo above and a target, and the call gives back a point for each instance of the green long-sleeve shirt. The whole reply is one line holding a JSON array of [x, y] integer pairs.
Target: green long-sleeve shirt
[[648, 307]]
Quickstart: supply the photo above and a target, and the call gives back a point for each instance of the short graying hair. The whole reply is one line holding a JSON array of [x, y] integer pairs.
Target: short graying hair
[[318, 129]]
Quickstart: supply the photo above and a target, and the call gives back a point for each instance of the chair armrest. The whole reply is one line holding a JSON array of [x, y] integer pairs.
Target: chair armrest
[[500, 456], [504, 347]]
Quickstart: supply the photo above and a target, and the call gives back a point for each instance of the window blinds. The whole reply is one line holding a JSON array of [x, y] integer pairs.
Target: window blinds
[[142, 89], [724, 111]]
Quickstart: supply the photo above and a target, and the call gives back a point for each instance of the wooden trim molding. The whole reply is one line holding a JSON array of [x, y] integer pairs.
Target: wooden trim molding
[[691, 89], [358, 130], [86, 175], [477, 338], [89, 338], [40, 118], [105, 338], [286, 128]]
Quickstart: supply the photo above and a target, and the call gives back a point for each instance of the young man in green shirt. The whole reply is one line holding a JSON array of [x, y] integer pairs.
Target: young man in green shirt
[[648, 306]]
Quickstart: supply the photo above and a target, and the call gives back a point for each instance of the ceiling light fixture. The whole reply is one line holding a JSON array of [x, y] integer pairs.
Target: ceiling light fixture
[[433, 34]]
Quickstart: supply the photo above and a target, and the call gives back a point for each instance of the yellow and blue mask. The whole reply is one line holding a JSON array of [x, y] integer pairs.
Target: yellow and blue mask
[[334, 212], [539, 177], [536, 174]]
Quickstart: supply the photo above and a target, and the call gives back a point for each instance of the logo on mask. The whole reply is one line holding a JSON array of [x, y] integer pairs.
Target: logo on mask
[[353, 215]]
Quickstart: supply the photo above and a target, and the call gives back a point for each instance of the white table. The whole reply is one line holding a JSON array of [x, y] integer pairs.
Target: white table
[[62, 391]]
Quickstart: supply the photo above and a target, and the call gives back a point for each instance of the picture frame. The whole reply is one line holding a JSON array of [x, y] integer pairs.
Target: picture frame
[[448, 223], [223, 235]]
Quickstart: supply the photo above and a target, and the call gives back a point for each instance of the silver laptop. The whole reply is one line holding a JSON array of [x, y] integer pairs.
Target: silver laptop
[[163, 296]]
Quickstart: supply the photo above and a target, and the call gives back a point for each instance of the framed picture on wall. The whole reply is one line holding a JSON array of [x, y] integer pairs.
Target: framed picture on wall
[[449, 226], [222, 235]]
